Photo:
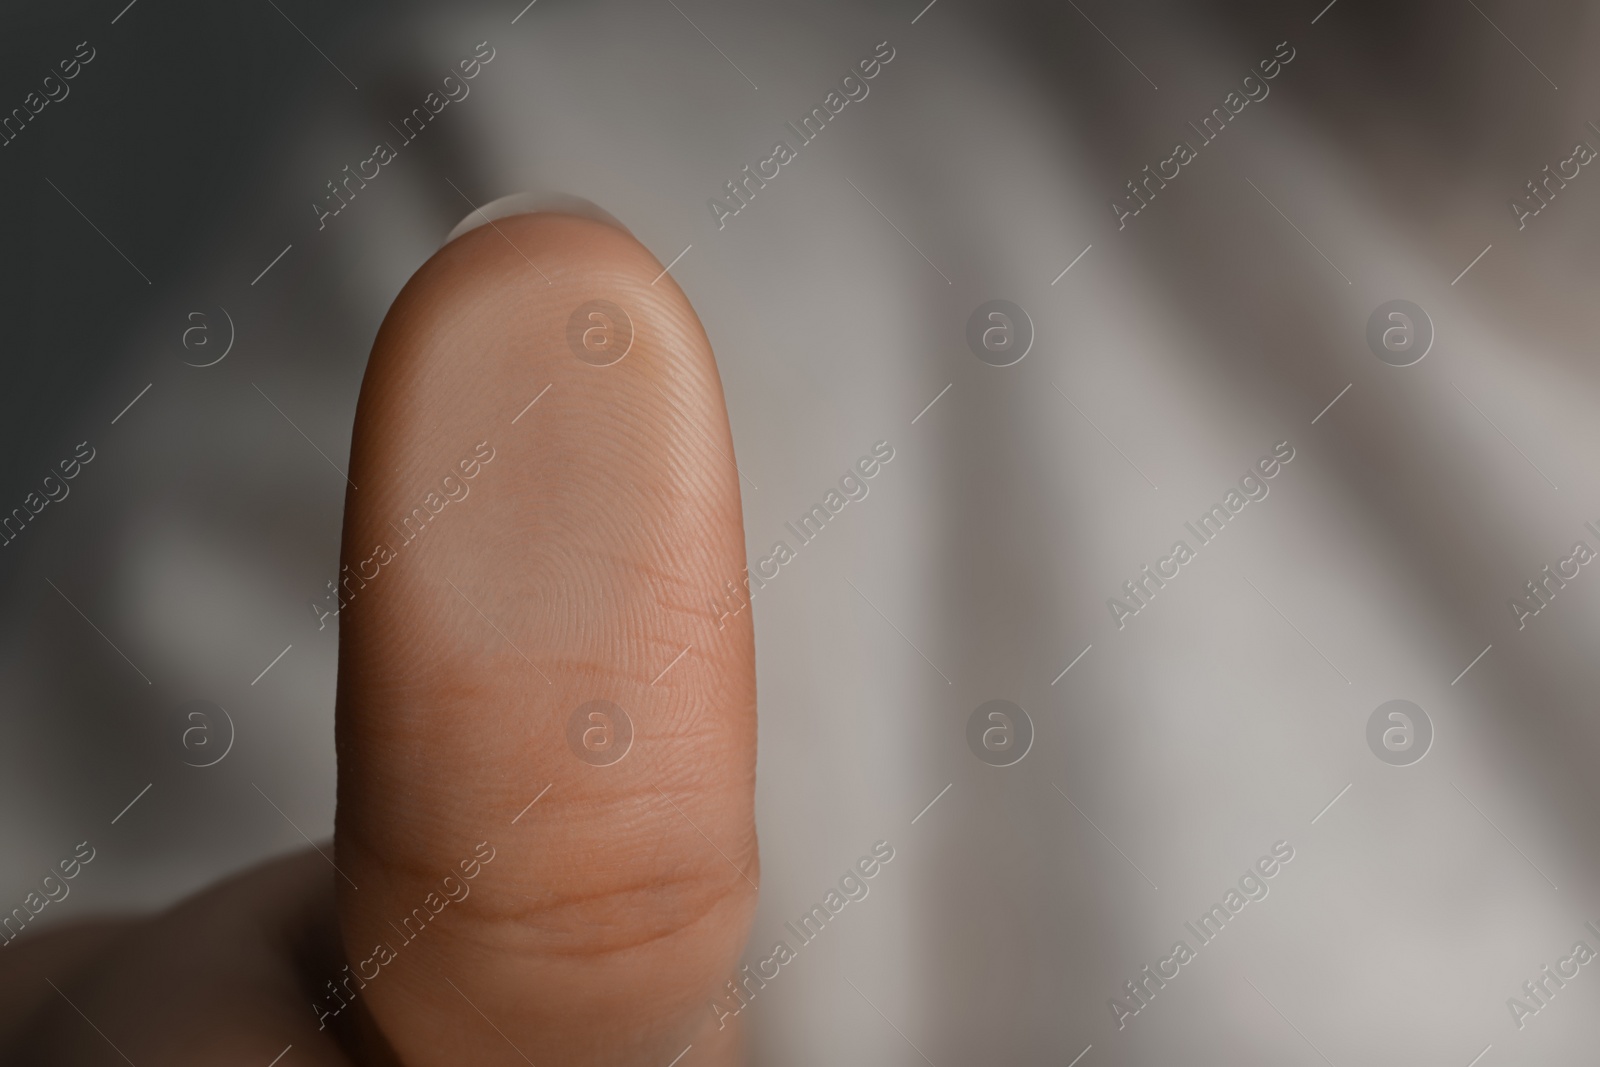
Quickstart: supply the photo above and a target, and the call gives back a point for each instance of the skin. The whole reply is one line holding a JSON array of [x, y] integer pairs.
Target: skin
[[588, 551]]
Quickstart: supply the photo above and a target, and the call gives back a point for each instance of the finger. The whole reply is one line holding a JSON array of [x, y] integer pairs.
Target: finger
[[506, 567], [62, 953], [225, 977]]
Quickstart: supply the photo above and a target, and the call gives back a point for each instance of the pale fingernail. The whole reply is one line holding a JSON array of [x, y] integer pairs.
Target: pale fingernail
[[528, 203]]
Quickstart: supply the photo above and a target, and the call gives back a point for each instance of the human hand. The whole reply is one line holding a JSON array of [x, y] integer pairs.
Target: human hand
[[504, 565]]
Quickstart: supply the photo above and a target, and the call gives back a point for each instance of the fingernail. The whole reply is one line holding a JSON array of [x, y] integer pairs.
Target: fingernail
[[528, 203]]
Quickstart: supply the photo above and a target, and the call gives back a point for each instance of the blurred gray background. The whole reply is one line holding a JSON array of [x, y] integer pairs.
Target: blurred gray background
[[1172, 355]]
